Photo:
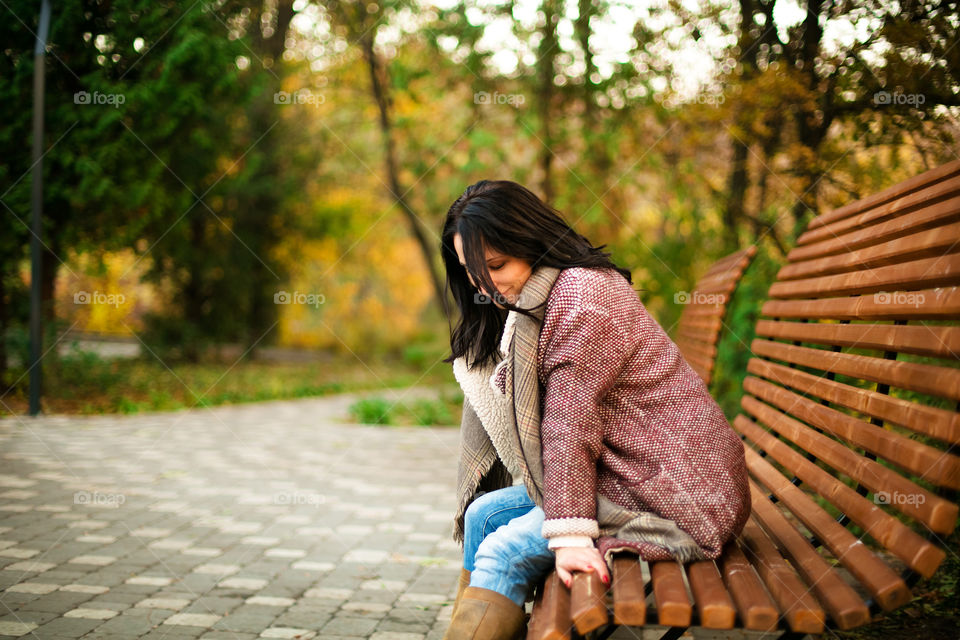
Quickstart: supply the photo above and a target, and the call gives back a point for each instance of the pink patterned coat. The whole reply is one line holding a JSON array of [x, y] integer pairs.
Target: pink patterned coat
[[624, 415]]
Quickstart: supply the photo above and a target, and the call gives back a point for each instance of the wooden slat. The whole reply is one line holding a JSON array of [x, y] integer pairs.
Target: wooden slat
[[551, 616], [918, 187], [932, 464], [839, 599], [910, 415], [922, 244], [922, 378], [927, 304], [883, 224], [710, 596], [794, 599], [887, 588], [755, 607], [629, 597], [707, 325], [588, 608], [938, 514], [937, 342], [917, 553], [673, 604], [705, 351], [941, 271], [703, 311]]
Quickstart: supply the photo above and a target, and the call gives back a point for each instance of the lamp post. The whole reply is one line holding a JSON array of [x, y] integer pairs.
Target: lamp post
[[36, 207]]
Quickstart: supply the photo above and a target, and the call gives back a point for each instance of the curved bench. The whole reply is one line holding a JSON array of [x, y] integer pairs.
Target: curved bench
[[850, 417], [698, 330]]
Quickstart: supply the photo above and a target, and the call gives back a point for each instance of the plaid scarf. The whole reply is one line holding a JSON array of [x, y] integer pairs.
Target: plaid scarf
[[481, 469]]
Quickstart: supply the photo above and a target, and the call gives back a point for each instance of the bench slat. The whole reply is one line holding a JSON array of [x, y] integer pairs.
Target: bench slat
[[933, 465], [844, 605], [629, 595], [937, 342], [755, 607], [798, 607], [938, 514], [922, 378], [941, 271], [919, 554], [922, 244], [927, 304], [713, 603], [670, 594], [588, 608], [869, 210], [551, 611], [883, 224], [911, 415], [884, 585]]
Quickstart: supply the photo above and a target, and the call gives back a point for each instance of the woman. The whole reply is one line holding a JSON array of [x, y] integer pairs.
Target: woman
[[584, 430]]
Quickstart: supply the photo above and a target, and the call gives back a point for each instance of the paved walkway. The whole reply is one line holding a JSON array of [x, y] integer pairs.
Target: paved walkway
[[275, 520]]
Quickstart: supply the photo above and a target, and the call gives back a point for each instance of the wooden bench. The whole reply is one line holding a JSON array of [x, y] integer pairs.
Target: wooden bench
[[704, 308], [850, 412]]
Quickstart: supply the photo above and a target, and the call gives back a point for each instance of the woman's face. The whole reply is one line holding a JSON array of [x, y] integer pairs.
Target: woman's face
[[509, 274]]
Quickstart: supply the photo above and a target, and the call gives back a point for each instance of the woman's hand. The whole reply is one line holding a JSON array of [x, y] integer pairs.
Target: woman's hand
[[571, 559]]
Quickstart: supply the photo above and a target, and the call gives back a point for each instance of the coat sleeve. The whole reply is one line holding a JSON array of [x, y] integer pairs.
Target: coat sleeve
[[583, 355]]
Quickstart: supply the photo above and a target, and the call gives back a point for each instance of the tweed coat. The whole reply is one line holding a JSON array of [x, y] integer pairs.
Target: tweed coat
[[624, 416]]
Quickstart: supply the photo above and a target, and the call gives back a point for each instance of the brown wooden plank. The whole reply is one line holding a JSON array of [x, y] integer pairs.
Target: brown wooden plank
[[887, 588], [927, 304], [914, 246], [920, 555], [706, 325], [895, 192], [702, 311], [757, 611], [910, 415], [588, 608], [935, 512], [794, 599], [629, 597], [932, 464], [937, 342], [551, 616], [839, 599], [673, 604], [882, 225], [922, 378], [710, 596], [941, 271]]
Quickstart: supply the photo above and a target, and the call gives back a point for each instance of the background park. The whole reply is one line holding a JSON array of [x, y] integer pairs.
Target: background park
[[242, 200]]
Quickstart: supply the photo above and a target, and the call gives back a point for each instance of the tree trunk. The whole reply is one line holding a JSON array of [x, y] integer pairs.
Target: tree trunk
[[379, 84]]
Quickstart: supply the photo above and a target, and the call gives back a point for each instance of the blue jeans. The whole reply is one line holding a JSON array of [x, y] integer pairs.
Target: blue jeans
[[502, 545]]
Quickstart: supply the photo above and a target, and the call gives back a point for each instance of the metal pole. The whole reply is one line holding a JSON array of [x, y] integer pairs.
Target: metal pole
[[36, 205]]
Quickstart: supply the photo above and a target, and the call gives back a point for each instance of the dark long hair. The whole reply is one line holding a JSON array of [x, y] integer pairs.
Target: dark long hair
[[508, 218]]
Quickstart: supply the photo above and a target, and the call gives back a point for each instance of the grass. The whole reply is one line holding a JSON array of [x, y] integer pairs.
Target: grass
[[83, 383]]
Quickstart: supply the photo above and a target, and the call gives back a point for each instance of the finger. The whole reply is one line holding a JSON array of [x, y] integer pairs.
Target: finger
[[564, 576]]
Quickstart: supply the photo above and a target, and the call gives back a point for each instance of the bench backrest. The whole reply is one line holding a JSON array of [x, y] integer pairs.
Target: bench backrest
[[698, 331], [851, 399]]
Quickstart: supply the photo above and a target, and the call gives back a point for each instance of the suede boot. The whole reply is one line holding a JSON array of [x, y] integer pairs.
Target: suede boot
[[462, 584], [483, 614]]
